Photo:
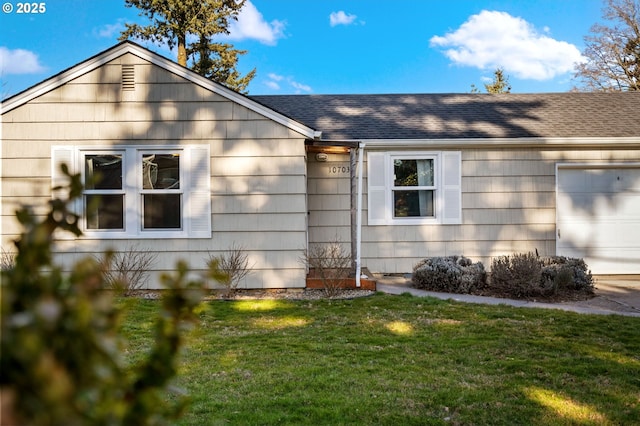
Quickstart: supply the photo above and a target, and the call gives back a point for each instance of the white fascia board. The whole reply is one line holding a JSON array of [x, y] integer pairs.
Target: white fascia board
[[173, 67], [572, 142]]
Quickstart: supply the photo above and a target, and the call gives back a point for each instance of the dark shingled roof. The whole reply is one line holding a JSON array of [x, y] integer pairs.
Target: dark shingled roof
[[444, 116]]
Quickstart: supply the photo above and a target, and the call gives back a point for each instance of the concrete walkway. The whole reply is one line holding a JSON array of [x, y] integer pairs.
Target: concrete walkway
[[614, 296]]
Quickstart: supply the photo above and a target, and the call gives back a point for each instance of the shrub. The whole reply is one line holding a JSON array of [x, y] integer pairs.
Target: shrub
[[453, 274], [567, 273], [61, 345], [527, 275], [519, 275], [7, 260], [331, 263], [129, 269], [234, 263]]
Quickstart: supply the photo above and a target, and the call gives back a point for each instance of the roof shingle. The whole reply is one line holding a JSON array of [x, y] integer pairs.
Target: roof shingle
[[445, 116]]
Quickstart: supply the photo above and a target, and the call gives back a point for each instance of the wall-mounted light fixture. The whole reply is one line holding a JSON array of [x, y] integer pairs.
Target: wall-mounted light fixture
[[321, 156]]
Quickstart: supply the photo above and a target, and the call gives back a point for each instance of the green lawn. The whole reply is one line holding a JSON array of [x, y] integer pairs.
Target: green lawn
[[402, 360]]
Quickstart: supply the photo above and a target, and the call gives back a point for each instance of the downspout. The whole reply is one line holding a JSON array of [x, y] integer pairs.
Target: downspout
[[361, 146]]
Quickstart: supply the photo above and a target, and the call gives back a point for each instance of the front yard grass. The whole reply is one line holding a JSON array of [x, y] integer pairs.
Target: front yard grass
[[402, 360]]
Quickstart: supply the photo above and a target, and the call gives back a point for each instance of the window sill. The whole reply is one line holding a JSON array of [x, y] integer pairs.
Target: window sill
[[146, 235], [407, 221]]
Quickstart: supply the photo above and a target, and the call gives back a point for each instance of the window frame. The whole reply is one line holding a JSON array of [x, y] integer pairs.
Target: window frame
[[93, 191], [434, 188], [142, 191], [381, 187], [194, 190]]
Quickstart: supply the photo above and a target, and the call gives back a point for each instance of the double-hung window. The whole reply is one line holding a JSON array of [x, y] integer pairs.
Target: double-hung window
[[414, 188], [141, 192], [161, 193], [104, 194]]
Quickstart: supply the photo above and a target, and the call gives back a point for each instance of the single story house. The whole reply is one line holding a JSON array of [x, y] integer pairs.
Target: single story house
[[191, 168]]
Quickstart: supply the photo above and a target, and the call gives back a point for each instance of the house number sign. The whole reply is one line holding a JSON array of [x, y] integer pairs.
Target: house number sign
[[339, 169]]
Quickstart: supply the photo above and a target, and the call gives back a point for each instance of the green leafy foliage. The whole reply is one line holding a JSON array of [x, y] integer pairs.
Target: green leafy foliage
[[61, 360], [219, 62], [191, 26], [500, 83]]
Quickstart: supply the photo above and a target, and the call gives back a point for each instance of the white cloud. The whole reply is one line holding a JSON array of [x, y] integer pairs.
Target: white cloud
[[275, 82], [251, 25], [494, 39], [109, 30], [19, 61], [272, 85], [275, 77], [300, 87], [341, 18]]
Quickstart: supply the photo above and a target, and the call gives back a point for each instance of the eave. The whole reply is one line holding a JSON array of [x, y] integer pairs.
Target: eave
[[454, 143]]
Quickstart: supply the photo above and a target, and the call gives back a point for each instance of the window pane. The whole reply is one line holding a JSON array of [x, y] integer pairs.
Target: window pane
[[413, 172], [105, 211], [161, 171], [103, 171], [413, 203], [162, 211]]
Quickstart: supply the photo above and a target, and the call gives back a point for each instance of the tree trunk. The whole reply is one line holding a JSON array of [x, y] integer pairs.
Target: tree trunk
[[182, 50]]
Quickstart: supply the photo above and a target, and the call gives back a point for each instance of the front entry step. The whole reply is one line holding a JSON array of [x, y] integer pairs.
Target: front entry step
[[349, 283]]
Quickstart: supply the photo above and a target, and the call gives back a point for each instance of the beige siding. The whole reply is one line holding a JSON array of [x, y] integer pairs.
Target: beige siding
[[508, 205], [258, 167], [329, 199]]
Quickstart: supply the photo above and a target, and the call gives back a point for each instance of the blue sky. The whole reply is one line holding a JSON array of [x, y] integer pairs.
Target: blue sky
[[325, 46]]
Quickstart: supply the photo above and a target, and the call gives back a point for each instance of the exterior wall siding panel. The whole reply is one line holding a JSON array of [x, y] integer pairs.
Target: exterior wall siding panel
[[329, 189], [508, 205], [258, 166]]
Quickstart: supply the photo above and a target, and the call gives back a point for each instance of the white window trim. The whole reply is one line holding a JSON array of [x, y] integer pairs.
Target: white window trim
[[194, 187], [444, 191], [414, 220]]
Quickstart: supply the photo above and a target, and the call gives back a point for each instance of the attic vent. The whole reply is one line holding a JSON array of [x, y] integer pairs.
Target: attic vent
[[128, 78]]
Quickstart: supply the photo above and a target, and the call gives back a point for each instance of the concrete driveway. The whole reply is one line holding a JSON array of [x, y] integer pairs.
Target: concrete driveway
[[620, 293]]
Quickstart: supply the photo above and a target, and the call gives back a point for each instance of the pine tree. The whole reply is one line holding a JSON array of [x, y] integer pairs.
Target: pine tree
[[500, 83], [176, 22], [221, 65]]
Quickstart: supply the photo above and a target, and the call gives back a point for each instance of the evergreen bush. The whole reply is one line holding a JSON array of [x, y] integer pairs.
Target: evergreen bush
[[567, 273], [451, 274], [525, 275], [518, 276]]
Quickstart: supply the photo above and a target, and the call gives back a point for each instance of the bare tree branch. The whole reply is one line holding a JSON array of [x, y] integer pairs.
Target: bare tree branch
[[612, 52]]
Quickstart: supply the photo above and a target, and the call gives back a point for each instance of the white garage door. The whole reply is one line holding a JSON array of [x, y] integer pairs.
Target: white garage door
[[598, 217]]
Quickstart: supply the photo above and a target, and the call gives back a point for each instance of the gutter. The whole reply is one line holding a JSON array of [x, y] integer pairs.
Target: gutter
[[527, 142], [361, 147]]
